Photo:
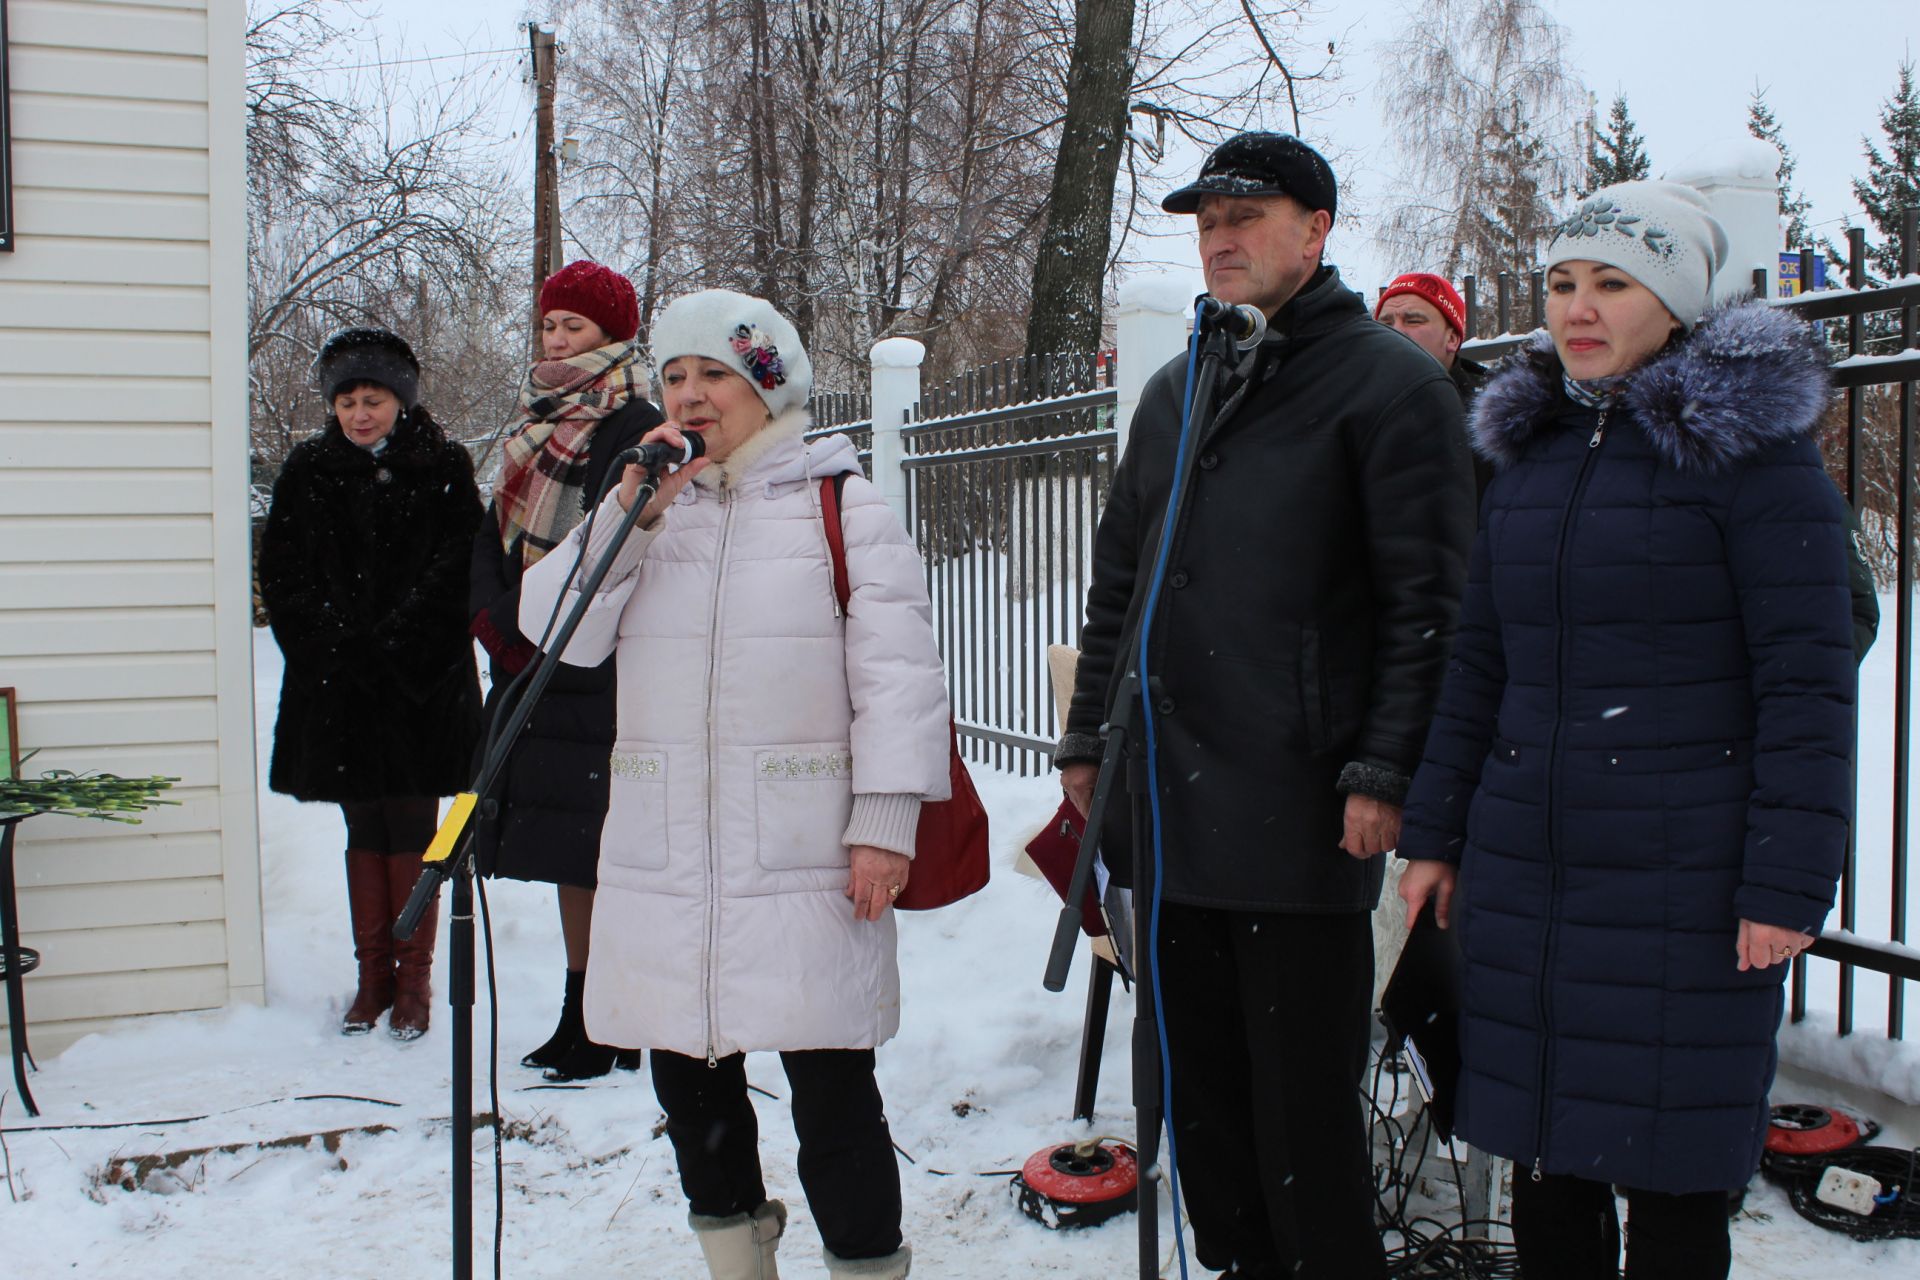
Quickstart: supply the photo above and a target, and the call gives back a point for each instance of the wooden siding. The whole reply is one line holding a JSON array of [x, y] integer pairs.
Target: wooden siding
[[124, 586]]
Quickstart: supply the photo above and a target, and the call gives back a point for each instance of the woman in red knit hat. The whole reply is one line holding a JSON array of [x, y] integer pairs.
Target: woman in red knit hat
[[581, 405]]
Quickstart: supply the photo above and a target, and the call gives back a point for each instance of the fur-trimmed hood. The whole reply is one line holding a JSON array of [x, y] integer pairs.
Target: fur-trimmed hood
[[1748, 376]]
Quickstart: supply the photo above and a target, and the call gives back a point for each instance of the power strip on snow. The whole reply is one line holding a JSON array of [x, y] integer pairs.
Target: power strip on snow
[[1845, 1189]]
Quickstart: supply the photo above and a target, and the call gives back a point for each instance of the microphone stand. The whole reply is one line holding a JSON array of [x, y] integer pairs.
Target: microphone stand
[[459, 869], [1125, 749]]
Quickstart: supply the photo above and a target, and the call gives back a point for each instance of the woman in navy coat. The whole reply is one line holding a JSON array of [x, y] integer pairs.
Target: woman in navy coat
[[1635, 793]]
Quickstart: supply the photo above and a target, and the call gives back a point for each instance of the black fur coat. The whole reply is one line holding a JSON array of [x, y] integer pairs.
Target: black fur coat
[[363, 570]]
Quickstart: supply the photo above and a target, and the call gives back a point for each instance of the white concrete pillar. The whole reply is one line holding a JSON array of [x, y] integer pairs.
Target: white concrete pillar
[[1739, 178], [896, 392], [1150, 328]]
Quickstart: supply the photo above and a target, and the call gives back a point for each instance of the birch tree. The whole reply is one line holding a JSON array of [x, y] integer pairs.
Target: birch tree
[[1486, 111]]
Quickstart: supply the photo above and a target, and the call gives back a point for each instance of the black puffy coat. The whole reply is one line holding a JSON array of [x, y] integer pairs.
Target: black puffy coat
[[1302, 634], [553, 792], [363, 570], [1644, 738]]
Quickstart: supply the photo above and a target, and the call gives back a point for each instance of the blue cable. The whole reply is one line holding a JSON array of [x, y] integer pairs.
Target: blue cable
[[1169, 526]]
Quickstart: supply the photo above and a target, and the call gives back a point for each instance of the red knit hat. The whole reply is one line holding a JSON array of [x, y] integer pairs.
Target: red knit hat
[[599, 293], [1434, 289]]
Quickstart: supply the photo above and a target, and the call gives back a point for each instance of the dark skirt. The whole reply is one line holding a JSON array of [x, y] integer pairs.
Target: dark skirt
[[552, 797]]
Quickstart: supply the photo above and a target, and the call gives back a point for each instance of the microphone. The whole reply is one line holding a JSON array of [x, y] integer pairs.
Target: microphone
[[663, 453], [1247, 325]]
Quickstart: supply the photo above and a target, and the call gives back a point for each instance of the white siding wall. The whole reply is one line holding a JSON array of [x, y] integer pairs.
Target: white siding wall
[[124, 590]]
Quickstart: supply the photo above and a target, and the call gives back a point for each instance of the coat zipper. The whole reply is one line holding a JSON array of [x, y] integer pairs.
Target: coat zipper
[[710, 956], [1544, 969]]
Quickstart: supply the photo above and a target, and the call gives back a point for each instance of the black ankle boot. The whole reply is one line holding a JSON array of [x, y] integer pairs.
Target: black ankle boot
[[587, 1060], [572, 1028]]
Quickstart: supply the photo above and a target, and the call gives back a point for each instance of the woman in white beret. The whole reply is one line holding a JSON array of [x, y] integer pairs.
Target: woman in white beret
[[771, 757]]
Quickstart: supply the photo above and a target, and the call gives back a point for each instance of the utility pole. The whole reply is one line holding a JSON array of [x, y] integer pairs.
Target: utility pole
[[546, 171]]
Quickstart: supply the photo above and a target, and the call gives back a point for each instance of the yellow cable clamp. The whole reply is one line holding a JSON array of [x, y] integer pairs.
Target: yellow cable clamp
[[448, 836]]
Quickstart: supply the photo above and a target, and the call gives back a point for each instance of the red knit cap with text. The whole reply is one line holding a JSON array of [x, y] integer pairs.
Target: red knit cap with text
[[1434, 289], [599, 293]]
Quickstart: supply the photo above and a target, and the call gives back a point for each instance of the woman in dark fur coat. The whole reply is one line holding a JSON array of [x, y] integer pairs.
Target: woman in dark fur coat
[[363, 569], [581, 405], [1635, 795]]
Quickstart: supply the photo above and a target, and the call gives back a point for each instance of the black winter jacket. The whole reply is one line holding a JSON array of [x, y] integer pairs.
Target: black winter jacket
[[1302, 633], [363, 569], [553, 793]]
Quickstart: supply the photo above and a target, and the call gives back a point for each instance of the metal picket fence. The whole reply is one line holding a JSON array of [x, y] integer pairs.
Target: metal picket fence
[[1008, 468]]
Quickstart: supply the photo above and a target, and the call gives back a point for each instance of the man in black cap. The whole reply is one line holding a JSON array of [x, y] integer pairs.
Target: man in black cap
[[1297, 649]]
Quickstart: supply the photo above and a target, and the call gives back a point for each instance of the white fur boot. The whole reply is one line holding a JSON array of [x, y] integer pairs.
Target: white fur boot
[[894, 1266], [741, 1246]]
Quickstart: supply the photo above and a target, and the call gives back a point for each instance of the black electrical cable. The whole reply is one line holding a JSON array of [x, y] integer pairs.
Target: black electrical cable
[[493, 1081], [1896, 1211], [1420, 1245]]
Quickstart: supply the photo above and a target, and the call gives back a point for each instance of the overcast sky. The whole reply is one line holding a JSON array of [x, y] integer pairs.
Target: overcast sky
[[1687, 68]]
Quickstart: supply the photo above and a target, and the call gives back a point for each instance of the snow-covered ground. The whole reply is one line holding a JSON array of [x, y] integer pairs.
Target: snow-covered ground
[[980, 1077]]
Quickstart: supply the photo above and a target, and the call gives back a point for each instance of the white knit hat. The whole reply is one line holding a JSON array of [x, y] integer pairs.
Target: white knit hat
[[1662, 234], [742, 332]]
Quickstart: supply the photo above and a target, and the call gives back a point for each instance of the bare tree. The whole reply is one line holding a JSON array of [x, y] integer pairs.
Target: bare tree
[[867, 165], [1208, 68], [368, 205], [1487, 113], [1071, 268], [888, 167]]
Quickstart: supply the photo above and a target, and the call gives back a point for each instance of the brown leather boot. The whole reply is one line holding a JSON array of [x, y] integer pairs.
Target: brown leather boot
[[413, 959], [372, 940]]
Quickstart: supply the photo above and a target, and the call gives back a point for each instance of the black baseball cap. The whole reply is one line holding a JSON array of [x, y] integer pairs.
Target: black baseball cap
[[1261, 164]]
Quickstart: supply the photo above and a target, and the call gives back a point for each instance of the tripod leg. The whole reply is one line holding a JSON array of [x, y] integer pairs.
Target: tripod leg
[[1093, 1038], [460, 996], [1146, 1036], [12, 957]]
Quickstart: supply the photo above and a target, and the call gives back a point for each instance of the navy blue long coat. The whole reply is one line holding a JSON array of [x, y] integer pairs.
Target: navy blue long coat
[[1643, 738]]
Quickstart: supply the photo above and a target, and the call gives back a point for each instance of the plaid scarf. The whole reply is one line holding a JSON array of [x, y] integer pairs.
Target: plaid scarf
[[545, 469]]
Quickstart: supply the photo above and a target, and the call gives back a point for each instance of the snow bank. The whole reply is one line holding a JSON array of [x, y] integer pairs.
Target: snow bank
[[1887, 1066]]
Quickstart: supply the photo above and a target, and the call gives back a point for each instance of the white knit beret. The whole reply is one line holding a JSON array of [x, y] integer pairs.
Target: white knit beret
[[742, 332], [1662, 234]]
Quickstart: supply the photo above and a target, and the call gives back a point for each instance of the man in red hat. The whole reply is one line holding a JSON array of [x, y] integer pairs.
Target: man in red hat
[[1425, 308]]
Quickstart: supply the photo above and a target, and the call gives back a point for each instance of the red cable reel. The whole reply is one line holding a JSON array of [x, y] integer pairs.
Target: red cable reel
[[1801, 1136], [1079, 1184]]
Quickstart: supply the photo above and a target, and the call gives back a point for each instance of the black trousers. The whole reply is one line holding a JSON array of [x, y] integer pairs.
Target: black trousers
[[1267, 1030], [847, 1164], [1568, 1229], [398, 824]]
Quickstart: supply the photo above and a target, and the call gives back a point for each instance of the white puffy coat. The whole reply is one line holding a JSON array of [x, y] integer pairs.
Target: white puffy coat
[[750, 713]]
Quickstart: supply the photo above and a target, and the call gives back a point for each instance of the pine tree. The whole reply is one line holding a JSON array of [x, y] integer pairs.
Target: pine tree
[[1893, 180], [1793, 202], [1516, 216], [1617, 154]]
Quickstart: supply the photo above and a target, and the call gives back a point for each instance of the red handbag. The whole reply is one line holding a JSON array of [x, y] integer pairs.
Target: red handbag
[[950, 859]]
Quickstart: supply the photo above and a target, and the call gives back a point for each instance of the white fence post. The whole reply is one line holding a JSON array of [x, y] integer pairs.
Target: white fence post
[[1739, 179], [1150, 329], [896, 390]]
